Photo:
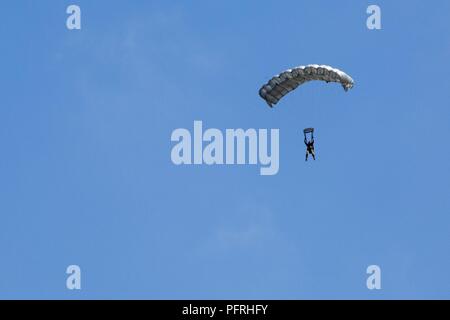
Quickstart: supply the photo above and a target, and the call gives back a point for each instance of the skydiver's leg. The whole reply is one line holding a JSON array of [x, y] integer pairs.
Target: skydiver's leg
[[306, 159], [313, 154]]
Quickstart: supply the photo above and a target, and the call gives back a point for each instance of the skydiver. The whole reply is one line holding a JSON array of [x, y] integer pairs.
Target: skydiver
[[310, 147]]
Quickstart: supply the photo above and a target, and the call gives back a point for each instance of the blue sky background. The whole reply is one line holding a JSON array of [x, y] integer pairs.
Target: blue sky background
[[86, 176]]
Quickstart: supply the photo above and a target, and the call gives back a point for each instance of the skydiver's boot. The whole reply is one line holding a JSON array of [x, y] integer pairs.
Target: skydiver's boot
[[306, 159]]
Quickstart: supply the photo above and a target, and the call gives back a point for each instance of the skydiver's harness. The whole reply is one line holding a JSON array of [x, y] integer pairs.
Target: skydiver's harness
[[310, 146]]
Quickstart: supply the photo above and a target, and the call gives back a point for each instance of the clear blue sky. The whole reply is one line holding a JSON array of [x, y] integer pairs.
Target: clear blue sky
[[86, 176]]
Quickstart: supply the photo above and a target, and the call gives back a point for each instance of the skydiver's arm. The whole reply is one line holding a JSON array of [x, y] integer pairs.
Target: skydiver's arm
[[306, 142]]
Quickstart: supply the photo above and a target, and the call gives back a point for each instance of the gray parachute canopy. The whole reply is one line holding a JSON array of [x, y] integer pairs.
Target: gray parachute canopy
[[289, 80]]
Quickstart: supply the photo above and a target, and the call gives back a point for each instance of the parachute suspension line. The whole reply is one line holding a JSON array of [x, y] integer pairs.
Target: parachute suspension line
[[314, 103], [314, 100]]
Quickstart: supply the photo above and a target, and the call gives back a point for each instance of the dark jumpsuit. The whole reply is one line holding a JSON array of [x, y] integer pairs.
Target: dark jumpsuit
[[310, 149]]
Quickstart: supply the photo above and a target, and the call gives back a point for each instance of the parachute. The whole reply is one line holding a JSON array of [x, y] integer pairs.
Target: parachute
[[289, 80]]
